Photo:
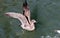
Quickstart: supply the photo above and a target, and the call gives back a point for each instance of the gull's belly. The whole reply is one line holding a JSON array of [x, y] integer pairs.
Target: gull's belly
[[28, 27]]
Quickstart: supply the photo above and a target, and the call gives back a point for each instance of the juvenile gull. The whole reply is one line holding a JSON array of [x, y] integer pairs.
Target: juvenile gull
[[24, 18]]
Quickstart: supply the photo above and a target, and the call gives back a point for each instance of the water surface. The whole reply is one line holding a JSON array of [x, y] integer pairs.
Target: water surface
[[45, 12]]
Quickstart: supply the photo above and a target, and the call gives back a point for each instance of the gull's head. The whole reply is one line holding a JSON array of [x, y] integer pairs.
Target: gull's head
[[33, 21]]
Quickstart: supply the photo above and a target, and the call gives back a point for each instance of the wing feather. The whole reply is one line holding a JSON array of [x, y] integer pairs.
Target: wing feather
[[26, 10], [19, 16]]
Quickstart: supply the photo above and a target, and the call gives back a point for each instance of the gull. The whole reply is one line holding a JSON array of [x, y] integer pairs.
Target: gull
[[24, 18]]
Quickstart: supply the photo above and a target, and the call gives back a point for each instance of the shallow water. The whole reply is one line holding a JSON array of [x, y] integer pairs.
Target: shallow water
[[45, 12]]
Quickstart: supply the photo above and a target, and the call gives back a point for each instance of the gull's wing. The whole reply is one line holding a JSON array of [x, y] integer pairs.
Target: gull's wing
[[26, 10], [19, 16]]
